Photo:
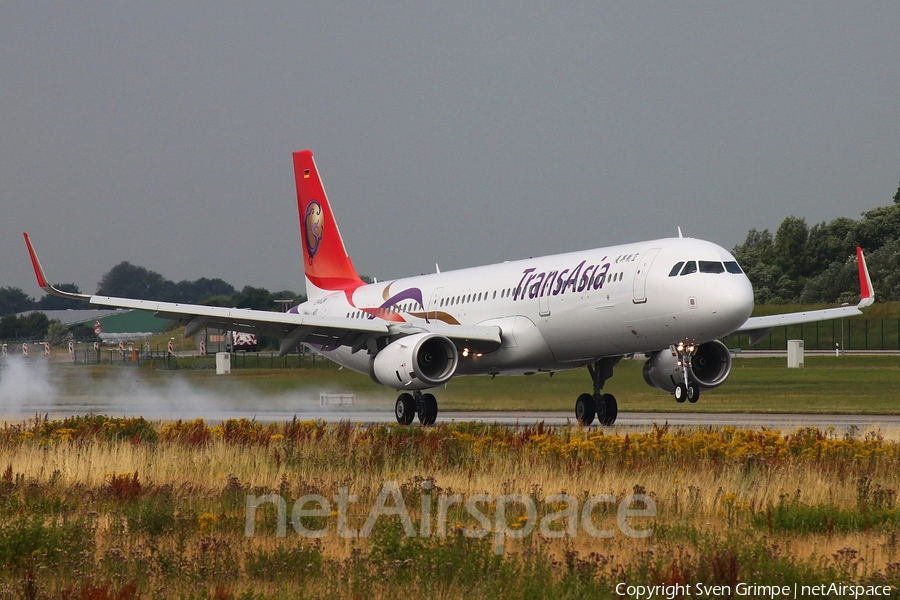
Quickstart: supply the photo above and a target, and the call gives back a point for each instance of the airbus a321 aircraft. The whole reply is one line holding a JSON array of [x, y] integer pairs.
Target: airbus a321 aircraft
[[669, 299]]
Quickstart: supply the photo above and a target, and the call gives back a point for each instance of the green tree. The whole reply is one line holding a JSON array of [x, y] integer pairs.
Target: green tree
[[126, 280], [790, 240], [289, 295], [828, 243], [57, 333], [224, 301], [878, 226], [757, 248], [83, 332], [13, 300], [32, 326], [756, 256], [197, 291], [49, 302], [838, 283], [255, 298]]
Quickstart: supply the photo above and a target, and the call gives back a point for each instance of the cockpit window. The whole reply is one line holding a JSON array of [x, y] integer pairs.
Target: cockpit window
[[689, 267], [732, 267], [675, 269], [709, 266]]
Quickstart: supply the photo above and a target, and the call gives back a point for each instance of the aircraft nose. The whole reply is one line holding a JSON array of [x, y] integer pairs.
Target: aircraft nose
[[734, 301]]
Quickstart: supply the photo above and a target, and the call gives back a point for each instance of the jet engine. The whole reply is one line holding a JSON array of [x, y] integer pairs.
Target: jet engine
[[710, 367], [415, 362]]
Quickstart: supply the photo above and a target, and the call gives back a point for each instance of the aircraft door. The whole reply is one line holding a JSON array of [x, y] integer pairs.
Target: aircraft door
[[640, 275], [545, 291], [544, 305], [434, 304]]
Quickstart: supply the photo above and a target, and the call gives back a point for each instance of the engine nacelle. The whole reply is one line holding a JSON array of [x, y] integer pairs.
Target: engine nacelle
[[415, 362], [710, 367]]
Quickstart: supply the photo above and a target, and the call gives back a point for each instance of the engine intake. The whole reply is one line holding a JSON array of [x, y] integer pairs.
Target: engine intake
[[415, 362], [710, 367]]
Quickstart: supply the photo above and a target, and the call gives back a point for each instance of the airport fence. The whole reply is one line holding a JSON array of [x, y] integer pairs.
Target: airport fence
[[165, 360], [844, 334]]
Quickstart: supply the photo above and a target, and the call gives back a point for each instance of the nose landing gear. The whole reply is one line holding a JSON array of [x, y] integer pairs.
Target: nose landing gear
[[687, 389]]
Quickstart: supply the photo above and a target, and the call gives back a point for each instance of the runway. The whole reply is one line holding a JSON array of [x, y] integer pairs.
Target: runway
[[370, 415], [642, 420], [647, 419]]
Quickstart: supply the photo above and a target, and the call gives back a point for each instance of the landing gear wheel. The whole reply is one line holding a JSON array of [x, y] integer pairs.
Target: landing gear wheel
[[681, 393], [693, 393], [427, 409], [607, 410], [585, 409], [405, 409]]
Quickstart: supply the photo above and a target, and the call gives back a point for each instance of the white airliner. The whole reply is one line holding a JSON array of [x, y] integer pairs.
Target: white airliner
[[669, 299]]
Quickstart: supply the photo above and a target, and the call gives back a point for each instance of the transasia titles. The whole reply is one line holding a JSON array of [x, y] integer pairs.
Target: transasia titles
[[553, 283]]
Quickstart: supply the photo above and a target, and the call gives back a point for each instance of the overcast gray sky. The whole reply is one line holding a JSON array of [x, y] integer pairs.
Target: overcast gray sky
[[459, 133]]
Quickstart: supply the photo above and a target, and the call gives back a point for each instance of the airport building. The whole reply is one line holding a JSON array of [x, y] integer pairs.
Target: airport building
[[116, 324]]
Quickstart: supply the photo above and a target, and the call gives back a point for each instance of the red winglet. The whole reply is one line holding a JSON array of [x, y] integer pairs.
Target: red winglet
[[42, 278], [38, 270], [866, 292]]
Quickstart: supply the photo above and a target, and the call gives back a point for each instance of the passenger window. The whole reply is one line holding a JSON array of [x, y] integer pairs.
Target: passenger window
[[675, 269], [709, 266], [732, 267], [689, 267]]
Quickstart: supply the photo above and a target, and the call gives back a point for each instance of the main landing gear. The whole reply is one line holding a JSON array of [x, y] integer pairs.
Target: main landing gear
[[687, 389], [417, 404], [603, 406]]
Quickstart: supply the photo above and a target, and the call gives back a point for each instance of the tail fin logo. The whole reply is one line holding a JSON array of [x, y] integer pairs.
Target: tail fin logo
[[313, 228]]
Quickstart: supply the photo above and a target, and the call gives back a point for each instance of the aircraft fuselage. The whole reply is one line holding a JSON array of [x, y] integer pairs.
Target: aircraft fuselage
[[563, 311]]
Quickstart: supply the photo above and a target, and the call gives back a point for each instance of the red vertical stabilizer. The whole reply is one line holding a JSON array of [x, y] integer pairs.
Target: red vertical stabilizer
[[325, 260]]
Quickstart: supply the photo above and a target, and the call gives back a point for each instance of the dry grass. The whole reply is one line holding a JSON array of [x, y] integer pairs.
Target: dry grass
[[152, 505]]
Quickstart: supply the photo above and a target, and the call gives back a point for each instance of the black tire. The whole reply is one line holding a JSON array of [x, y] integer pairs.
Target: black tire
[[681, 393], [693, 393], [427, 409], [610, 409], [585, 409], [405, 409]]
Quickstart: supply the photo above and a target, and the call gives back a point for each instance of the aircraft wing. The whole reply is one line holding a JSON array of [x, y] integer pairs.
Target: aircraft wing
[[759, 327], [292, 328]]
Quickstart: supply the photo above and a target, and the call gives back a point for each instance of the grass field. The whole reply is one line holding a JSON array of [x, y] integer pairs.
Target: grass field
[[850, 385], [99, 508], [94, 507]]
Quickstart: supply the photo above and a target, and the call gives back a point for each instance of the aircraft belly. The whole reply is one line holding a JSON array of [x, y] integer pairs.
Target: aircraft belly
[[523, 349], [584, 334]]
